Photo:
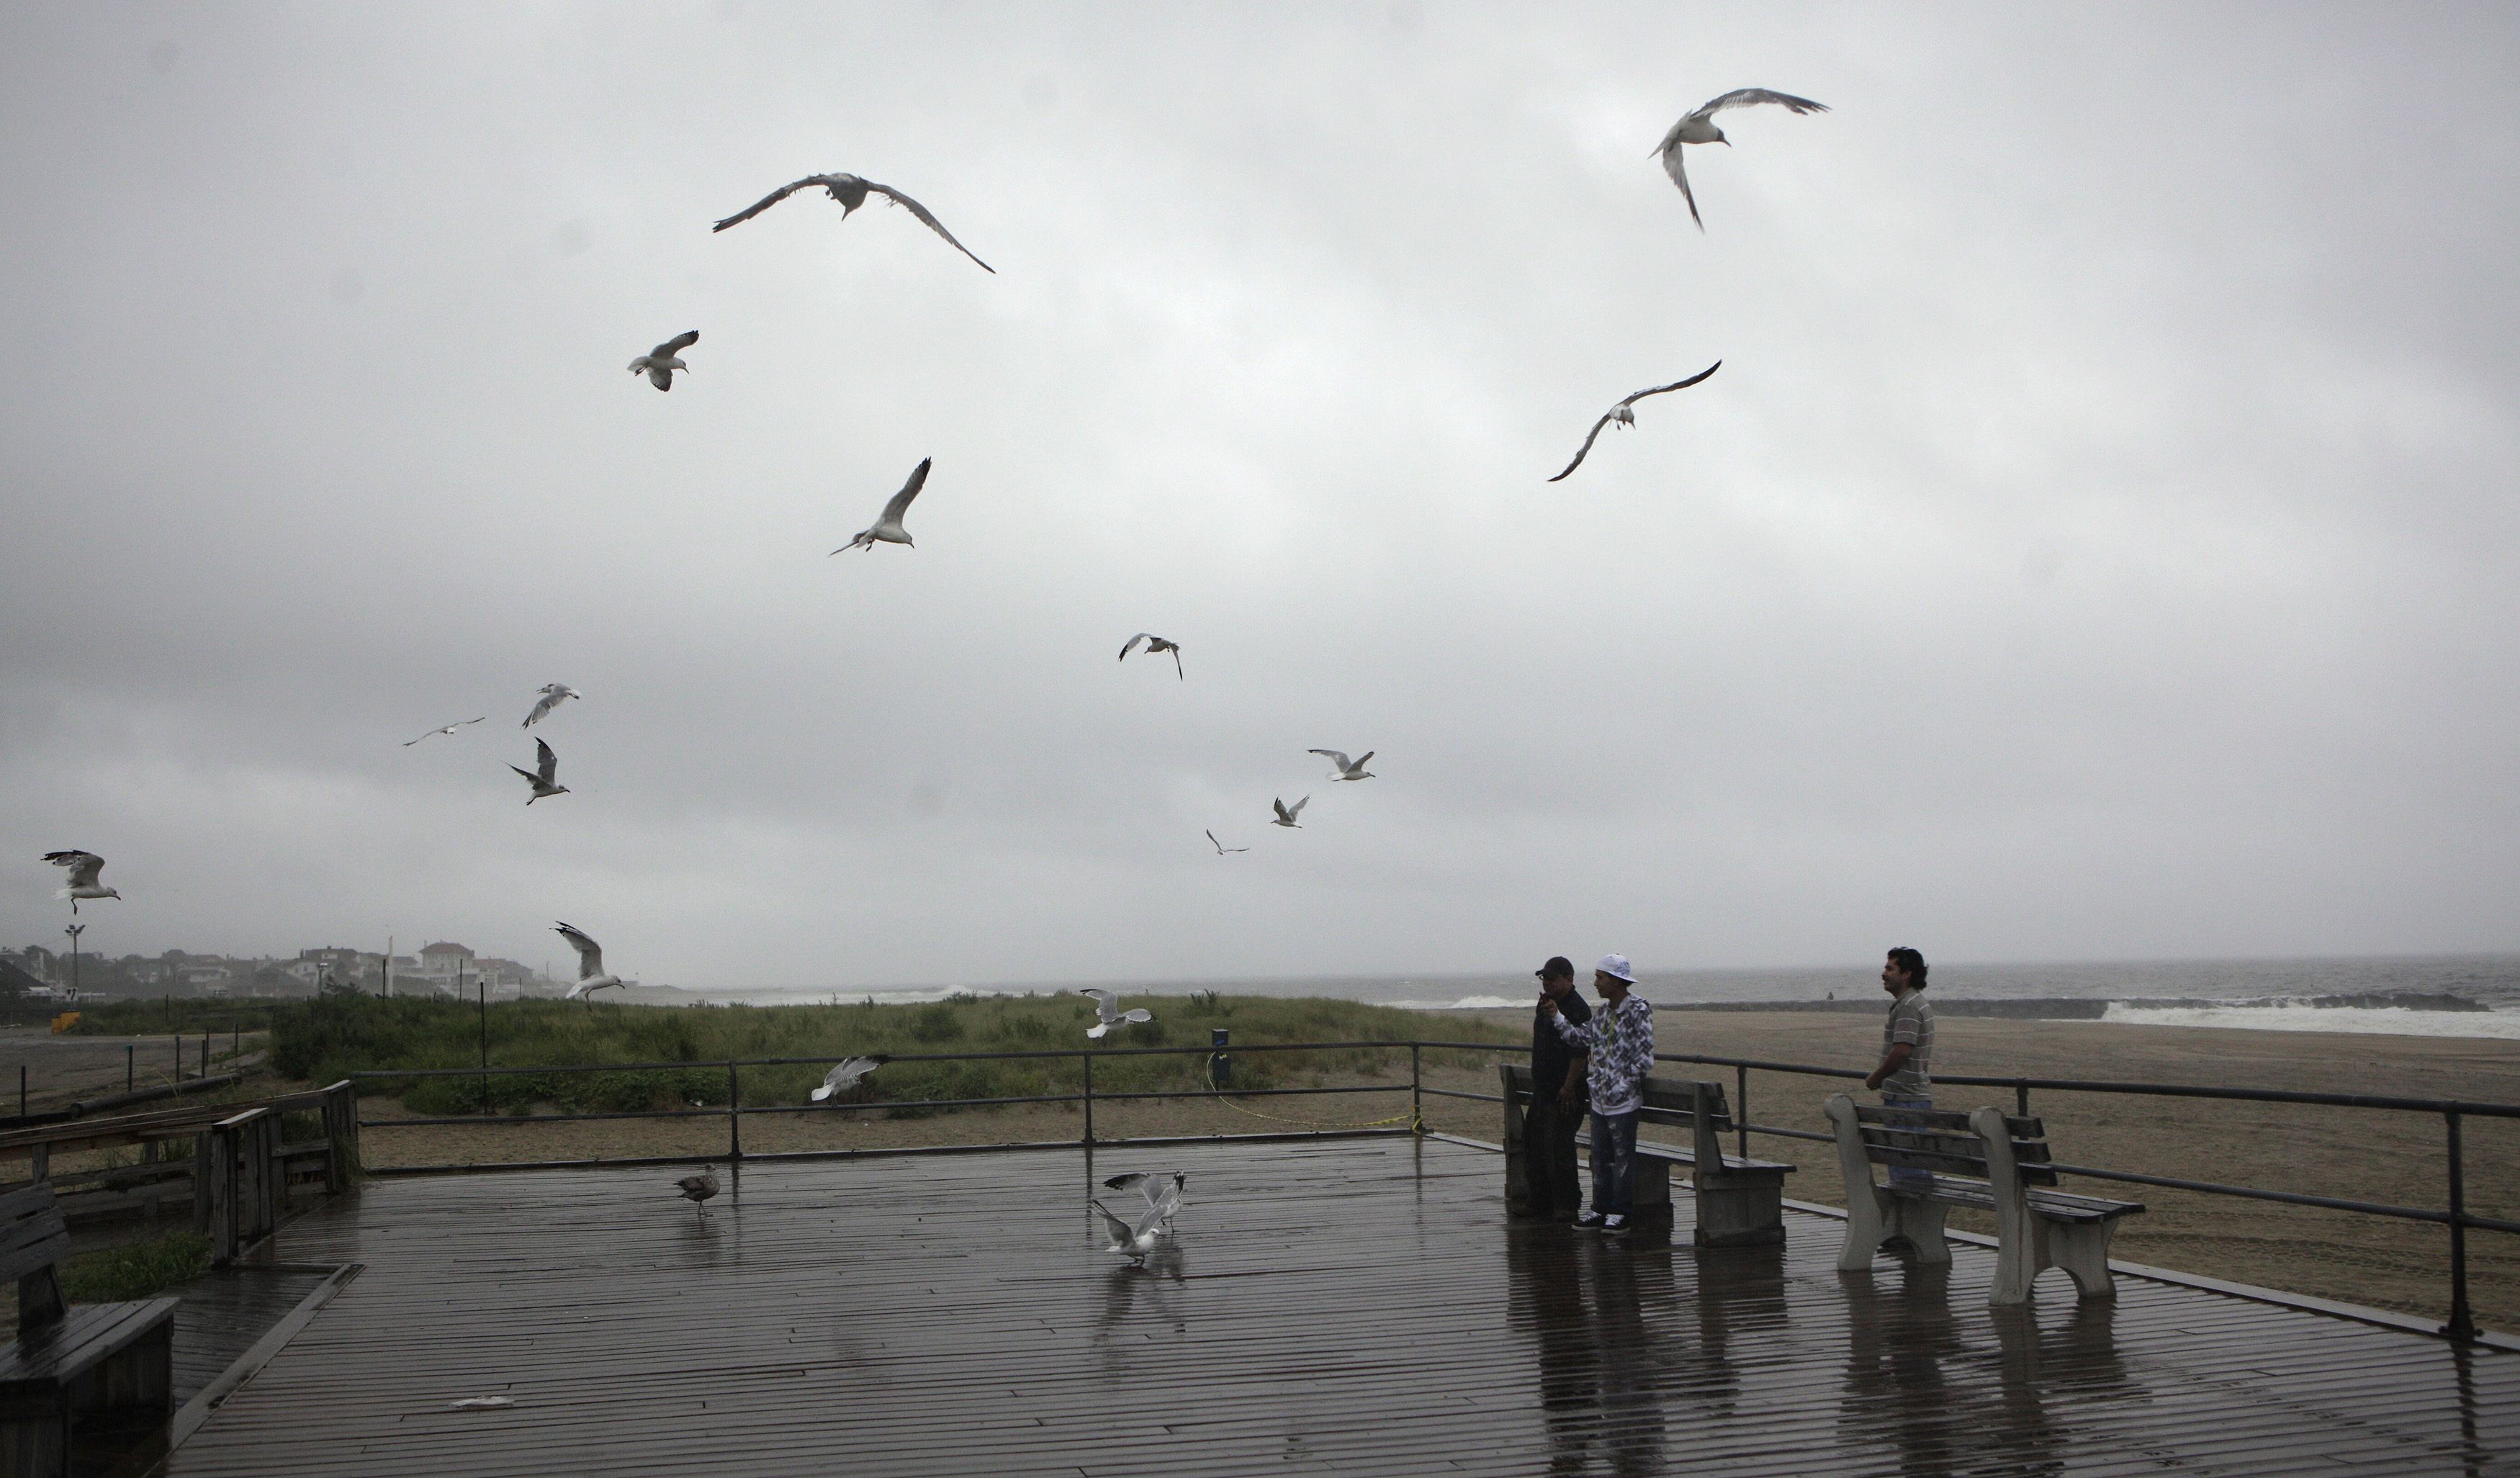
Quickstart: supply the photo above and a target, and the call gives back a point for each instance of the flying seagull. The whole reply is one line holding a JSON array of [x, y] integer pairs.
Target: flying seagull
[[1347, 769], [697, 1189], [1287, 818], [543, 777], [591, 976], [1699, 128], [83, 866], [1106, 1006], [661, 362], [1222, 848], [847, 1074], [1156, 647], [434, 733], [1621, 414], [1161, 1191], [851, 192], [1133, 1242], [553, 693], [887, 529]]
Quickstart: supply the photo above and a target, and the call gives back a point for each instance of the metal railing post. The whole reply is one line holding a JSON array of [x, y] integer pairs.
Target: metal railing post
[[734, 1114], [130, 1066], [1089, 1102], [1741, 1107], [1417, 1118], [2462, 1322], [2021, 1097]]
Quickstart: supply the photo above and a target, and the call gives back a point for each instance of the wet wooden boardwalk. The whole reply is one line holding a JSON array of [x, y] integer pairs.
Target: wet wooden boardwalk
[[1354, 1307]]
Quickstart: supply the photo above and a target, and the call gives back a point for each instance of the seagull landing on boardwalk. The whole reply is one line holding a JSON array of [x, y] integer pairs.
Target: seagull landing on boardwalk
[[1699, 128], [545, 776], [1621, 414], [887, 529], [697, 1189], [661, 362], [83, 866], [1347, 769], [1156, 647], [553, 696], [591, 976], [849, 1072], [434, 733], [1132, 1242], [1106, 1007], [851, 192], [1285, 817], [1221, 848], [1163, 1193]]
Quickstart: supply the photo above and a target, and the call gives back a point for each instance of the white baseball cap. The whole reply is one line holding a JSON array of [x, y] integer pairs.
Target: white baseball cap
[[1616, 966]]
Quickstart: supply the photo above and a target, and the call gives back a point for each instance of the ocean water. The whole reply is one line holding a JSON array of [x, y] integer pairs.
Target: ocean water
[[2440, 995]]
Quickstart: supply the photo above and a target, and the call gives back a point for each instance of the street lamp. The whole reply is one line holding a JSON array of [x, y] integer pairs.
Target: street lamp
[[74, 931]]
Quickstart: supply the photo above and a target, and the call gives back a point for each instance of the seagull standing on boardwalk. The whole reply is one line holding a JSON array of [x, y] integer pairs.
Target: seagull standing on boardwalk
[[83, 868], [849, 1072], [697, 1189], [887, 529], [1622, 415], [1347, 770], [1132, 1242], [591, 975], [434, 733], [1286, 816], [1156, 647], [553, 696], [1106, 1006], [851, 192], [1221, 848], [1699, 128], [661, 362], [544, 776]]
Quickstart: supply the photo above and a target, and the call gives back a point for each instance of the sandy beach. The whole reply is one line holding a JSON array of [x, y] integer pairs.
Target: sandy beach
[[2388, 1157]]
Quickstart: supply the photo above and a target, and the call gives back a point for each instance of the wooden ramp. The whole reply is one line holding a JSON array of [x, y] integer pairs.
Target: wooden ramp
[[1347, 1307]]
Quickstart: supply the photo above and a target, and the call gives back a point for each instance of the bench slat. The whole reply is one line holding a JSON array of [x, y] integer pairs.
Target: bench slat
[[1929, 1141], [1952, 1119], [89, 1334], [33, 1235]]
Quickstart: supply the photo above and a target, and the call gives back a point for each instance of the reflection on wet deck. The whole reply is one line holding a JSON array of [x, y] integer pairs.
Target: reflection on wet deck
[[1355, 1306]]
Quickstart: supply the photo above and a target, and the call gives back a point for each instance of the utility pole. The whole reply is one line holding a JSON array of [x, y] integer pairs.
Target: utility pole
[[74, 931], [384, 972]]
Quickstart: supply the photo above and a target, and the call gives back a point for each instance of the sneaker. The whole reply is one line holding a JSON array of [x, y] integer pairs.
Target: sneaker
[[1588, 1221], [1614, 1224]]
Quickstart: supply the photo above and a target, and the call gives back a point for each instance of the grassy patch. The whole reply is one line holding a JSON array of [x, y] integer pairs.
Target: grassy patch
[[136, 1269], [190, 1018], [322, 1041]]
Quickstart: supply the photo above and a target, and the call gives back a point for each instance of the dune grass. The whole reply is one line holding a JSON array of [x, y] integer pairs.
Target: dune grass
[[322, 1041], [135, 1270]]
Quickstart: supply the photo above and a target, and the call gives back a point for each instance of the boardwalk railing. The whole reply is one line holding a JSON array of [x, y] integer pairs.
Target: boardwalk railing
[[2460, 1324]]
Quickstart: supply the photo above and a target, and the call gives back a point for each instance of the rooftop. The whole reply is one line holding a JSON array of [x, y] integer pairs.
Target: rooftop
[[1350, 1306]]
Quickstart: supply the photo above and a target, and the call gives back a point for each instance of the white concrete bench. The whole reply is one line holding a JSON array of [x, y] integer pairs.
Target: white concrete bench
[[1986, 1159]]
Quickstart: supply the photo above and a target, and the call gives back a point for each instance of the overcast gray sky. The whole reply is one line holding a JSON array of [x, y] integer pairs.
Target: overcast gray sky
[[2097, 542]]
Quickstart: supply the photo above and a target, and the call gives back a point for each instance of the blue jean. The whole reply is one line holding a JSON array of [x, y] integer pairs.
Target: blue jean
[[1614, 1163], [1903, 1177]]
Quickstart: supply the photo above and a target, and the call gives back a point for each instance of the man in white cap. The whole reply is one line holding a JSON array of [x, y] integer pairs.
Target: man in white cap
[[1620, 1042]]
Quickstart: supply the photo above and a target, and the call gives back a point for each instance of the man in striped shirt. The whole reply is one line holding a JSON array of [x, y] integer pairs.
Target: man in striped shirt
[[1905, 1076], [1620, 1042]]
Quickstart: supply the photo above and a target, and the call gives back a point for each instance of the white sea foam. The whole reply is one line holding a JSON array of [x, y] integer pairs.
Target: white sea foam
[[2385, 1021], [1465, 1004]]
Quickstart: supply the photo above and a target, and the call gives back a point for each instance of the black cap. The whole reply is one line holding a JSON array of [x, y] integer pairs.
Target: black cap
[[1559, 964]]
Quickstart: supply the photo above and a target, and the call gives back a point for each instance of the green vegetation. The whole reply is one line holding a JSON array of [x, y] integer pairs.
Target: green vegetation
[[192, 1017], [324, 1040], [135, 1270]]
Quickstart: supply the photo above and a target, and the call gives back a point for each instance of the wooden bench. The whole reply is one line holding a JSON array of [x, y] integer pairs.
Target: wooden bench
[[1740, 1203], [1987, 1159], [96, 1362]]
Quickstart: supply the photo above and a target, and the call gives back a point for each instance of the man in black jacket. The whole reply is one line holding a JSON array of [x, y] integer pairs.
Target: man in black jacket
[[1557, 1099]]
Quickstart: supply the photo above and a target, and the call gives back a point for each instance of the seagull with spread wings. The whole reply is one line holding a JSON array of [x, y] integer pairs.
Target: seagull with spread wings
[[1348, 769], [1699, 127], [1622, 415], [851, 192], [83, 868], [659, 363], [1107, 1013], [1156, 647], [1221, 848], [1285, 815], [434, 733], [553, 696], [847, 1074], [591, 975], [887, 529], [1132, 1241], [545, 776], [1163, 1192]]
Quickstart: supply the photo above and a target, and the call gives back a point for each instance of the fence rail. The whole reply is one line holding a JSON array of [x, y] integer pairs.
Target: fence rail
[[2455, 1216]]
